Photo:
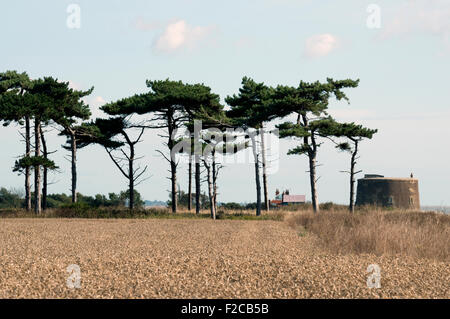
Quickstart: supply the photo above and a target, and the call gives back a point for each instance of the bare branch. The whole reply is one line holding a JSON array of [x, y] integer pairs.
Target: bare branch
[[167, 159], [115, 162]]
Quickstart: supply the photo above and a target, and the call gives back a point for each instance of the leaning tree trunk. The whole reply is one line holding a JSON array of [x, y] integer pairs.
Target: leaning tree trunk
[[190, 184], [257, 176], [37, 168], [73, 147], [45, 171], [264, 165], [197, 184], [352, 178], [28, 168]]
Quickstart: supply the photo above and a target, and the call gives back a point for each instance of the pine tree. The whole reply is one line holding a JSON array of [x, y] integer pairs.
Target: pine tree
[[249, 110], [171, 104], [355, 134], [68, 109], [13, 108], [309, 103]]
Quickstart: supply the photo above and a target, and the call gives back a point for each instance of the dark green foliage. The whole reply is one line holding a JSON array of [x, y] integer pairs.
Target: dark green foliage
[[54, 100], [308, 97], [14, 103], [351, 131], [180, 100], [251, 107], [10, 199], [34, 161], [104, 132], [232, 205], [99, 200]]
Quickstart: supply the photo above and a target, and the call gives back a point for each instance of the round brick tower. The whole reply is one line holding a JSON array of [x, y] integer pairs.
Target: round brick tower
[[378, 190]]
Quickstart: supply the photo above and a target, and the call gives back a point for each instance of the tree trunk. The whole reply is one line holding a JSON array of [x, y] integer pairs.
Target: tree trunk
[[197, 184], [173, 171], [257, 176], [173, 165], [45, 171], [352, 178], [312, 156], [214, 180], [210, 191], [37, 168], [190, 184], [27, 169], [73, 147], [131, 177], [313, 181], [264, 165]]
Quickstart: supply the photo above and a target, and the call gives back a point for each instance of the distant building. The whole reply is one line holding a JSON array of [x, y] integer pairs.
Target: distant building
[[286, 199], [378, 190]]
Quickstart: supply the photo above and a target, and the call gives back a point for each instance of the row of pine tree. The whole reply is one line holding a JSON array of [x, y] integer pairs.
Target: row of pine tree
[[174, 106]]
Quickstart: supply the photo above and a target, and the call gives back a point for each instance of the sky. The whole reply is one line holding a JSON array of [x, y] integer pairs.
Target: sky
[[399, 49]]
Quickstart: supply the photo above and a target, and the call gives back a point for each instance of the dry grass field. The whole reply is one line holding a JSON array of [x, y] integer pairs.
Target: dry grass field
[[196, 258]]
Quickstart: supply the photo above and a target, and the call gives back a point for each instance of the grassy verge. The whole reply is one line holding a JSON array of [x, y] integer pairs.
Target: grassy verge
[[414, 234], [82, 211]]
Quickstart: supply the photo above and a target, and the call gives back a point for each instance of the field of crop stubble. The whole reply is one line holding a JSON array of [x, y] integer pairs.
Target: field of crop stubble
[[161, 258]]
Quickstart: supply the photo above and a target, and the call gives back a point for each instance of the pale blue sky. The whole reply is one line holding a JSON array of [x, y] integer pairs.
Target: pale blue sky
[[403, 67]]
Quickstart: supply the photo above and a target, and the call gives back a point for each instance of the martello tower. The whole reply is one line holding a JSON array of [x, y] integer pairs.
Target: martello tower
[[378, 190]]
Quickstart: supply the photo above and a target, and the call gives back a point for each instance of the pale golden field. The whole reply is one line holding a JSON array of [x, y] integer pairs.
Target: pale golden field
[[161, 258]]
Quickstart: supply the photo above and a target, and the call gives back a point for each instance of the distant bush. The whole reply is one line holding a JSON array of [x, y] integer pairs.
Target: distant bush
[[10, 199], [14, 199], [232, 205]]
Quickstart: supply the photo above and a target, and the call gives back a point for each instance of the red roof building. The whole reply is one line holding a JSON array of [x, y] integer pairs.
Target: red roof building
[[294, 199], [286, 199]]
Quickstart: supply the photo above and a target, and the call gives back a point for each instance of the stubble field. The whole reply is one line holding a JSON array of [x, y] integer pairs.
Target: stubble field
[[159, 258]]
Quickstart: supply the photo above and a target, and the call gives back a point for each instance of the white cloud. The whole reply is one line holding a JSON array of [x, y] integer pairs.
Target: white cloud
[[180, 35], [320, 45]]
